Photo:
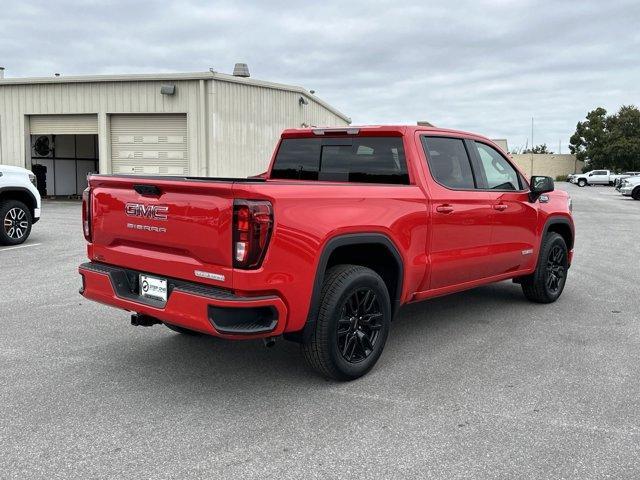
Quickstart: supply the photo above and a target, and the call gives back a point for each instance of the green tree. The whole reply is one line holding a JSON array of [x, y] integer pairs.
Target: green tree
[[538, 149], [623, 146], [609, 141], [589, 141]]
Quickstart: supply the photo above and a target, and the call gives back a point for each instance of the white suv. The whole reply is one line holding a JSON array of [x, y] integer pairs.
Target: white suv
[[19, 204]]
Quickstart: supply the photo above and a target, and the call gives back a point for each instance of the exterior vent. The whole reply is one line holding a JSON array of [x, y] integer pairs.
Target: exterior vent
[[241, 70]]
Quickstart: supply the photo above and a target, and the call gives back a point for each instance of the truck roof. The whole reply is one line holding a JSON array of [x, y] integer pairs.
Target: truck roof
[[375, 130]]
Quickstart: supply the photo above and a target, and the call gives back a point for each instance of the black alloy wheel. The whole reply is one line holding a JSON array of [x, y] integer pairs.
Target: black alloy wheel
[[556, 270], [359, 325]]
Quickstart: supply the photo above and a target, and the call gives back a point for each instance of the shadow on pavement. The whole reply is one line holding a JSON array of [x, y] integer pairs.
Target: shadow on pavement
[[188, 362]]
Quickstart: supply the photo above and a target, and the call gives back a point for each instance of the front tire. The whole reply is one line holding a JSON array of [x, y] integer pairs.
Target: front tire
[[16, 222], [636, 193], [582, 182], [352, 325], [545, 285]]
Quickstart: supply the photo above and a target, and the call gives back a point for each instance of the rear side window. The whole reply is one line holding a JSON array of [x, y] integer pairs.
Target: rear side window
[[449, 162], [499, 173], [361, 159]]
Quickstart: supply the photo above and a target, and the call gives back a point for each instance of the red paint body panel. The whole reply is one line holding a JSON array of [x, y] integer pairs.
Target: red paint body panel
[[448, 240]]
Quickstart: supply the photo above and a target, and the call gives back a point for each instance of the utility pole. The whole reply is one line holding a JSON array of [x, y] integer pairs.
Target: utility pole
[[560, 147], [532, 144]]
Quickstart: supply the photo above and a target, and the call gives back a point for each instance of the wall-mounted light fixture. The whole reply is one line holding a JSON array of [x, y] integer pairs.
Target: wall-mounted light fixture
[[168, 89], [303, 101]]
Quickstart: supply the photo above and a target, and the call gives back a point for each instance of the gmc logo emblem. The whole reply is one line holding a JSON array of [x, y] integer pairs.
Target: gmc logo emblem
[[153, 212]]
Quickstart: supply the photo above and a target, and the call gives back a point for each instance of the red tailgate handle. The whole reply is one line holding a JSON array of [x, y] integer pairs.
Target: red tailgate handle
[[446, 208], [501, 207]]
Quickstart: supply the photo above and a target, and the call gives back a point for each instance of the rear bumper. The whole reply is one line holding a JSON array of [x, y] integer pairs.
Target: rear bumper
[[190, 305]]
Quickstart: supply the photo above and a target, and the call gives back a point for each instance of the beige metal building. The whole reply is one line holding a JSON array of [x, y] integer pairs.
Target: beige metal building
[[198, 124], [551, 164]]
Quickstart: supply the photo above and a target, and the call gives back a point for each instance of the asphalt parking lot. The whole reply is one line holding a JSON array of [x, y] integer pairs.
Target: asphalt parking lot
[[481, 384]]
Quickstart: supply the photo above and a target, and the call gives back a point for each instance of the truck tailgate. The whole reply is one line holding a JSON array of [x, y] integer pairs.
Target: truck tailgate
[[179, 228]]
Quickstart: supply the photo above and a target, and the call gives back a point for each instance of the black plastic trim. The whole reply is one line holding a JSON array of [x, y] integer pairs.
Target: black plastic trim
[[98, 176], [333, 244], [22, 190], [147, 190], [243, 320], [559, 221]]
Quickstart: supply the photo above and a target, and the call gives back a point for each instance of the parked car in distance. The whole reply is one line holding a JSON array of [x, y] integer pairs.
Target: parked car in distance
[[19, 204], [594, 177], [630, 187], [347, 225], [618, 181]]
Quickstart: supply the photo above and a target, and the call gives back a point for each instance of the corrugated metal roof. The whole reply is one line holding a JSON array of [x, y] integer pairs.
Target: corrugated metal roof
[[138, 77]]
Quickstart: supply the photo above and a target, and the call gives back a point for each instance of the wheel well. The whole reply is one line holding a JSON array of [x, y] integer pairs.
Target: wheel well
[[564, 230], [375, 256], [21, 196]]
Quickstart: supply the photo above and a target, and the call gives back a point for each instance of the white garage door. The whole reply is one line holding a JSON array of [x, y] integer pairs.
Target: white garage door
[[149, 144], [63, 124]]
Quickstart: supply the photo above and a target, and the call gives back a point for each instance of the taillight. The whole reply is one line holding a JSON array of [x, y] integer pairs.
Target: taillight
[[86, 213], [252, 226]]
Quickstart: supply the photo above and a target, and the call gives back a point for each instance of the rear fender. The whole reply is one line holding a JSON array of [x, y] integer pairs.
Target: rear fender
[[329, 248]]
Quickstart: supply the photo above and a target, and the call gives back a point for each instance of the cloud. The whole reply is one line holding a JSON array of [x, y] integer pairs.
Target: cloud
[[484, 66]]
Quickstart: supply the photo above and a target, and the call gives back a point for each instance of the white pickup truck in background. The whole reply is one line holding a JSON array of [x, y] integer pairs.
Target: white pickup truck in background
[[594, 177]]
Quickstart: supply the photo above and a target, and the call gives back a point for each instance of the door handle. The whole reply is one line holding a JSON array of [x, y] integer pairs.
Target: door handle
[[501, 207], [444, 208]]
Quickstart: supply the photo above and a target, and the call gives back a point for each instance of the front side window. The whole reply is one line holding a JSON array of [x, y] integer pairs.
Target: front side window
[[499, 173], [361, 159], [449, 162]]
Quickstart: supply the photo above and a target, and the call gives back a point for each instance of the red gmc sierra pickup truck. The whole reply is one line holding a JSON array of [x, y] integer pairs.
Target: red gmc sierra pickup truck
[[347, 225]]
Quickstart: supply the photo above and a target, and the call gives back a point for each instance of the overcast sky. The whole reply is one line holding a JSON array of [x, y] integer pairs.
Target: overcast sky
[[483, 66]]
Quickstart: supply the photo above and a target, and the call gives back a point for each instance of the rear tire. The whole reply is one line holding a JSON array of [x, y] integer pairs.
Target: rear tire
[[352, 325], [582, 182], [545, 285], [182, 330], [16, 222]]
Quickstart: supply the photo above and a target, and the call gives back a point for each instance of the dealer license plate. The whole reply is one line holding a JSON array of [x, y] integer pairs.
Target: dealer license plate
[[153, 287]]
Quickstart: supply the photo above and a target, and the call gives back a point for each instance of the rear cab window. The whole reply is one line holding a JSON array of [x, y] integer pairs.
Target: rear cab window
[[342, 159], [449, 162]]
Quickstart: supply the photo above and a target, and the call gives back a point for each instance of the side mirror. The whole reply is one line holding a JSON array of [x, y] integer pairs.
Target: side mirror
[[591, 174], [539, 185]]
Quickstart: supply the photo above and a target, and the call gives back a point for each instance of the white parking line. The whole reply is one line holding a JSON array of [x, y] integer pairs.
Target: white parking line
[[20, 246]]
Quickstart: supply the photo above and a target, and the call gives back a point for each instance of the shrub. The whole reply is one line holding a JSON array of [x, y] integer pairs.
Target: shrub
[[561, 178]]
